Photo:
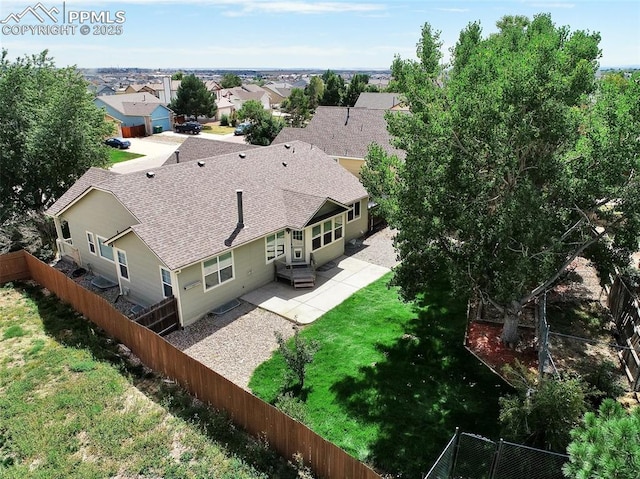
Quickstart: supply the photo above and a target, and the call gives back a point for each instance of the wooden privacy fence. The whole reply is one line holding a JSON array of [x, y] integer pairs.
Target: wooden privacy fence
[[257, 417], [134, 131], [161, 318], [625, 308]]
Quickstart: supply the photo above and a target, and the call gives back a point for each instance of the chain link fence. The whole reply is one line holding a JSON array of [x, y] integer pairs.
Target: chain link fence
[[468, 456]]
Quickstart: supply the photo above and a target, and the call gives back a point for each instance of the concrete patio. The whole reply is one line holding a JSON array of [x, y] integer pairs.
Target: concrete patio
[[335, 282]]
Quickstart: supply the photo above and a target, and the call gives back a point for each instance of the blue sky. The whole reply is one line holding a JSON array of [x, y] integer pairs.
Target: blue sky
[[295, 34]]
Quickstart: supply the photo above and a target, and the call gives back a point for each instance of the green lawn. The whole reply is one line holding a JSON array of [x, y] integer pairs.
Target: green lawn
[[72, 407], [117, 156], [392, 381], [218, 129]]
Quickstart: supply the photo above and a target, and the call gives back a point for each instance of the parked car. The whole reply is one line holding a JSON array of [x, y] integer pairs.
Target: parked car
[[192, 127], [116, 142], [242, 128]]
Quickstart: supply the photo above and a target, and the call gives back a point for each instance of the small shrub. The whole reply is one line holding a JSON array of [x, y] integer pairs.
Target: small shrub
[[224, 120], [292, 407], [297, 354], [605, 381], [14, 331]]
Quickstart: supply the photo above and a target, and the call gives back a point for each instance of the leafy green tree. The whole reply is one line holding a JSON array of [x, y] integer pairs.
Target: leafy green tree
[[193, 99], [50, 133], [357, 85], [543, 411], [517, 161], [230, 80], [177, 75], [606, 445], [314, 91], [253, 111], [297, 106], [264, 131], [297, 355], [334, 89]]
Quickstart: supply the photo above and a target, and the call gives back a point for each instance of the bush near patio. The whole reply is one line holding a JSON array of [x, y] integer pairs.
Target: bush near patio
[[391, 380], [72, 406]]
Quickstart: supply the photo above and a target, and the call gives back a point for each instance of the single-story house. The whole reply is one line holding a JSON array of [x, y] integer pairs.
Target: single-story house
[[136, 109], [380, 101], [241, 94], [198, 148], [344, 133], [208, 231]]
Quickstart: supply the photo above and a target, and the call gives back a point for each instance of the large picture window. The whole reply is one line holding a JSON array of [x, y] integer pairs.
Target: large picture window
[[354, 212], [275, 246], [106, 251], [326, 232], [217, 270]]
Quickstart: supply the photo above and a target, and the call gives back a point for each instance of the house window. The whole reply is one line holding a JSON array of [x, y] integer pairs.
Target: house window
[[106, 251], [66, 232], [123, 268], [167, 288], [354, 212], [326, 233], [92, 243], [217, 270], [296, 235], [275, 245]]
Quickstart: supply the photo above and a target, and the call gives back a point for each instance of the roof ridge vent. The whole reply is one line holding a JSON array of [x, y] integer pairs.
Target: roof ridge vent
[[287, 146], [201, 163], [151, 174], [242, 155]]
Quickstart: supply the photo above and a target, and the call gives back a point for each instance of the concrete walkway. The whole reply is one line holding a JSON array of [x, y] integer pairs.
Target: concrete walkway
[[335, 282]]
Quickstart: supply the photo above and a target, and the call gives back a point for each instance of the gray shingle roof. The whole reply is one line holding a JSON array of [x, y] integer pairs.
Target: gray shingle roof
[[92, 176], [343, 132], [187, 211], [122, 103], [378, 101], [196, 148]]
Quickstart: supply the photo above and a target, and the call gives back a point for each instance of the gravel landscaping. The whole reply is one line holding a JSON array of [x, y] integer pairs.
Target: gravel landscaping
[[235, 343]]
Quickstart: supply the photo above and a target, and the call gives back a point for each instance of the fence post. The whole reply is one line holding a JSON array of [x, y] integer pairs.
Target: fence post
[[456, 448], [496, 459]]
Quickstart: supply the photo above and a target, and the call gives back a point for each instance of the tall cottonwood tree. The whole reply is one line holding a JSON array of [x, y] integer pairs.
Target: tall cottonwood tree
[[517, 161], [50, 133]]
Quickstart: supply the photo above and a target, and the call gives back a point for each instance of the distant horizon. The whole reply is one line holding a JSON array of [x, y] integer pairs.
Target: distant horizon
[[156, 34]]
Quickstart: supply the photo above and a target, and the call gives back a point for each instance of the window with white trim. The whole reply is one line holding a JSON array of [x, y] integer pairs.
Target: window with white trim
[[217, 270], [275, 246], [326, 232], [296, 235], [354, 212], [106, 251], [92, 243], [123, 267], [165, 278]]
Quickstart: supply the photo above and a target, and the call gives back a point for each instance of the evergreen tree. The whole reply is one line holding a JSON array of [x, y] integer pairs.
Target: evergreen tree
[[193, 99]]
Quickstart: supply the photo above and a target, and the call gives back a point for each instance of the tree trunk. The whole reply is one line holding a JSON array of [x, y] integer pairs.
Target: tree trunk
[[511, 320]]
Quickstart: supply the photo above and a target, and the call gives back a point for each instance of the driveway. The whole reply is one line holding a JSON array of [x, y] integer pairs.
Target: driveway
[[156, 148]]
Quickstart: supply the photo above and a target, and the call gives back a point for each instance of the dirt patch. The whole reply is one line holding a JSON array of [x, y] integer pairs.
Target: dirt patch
[[483, 339]]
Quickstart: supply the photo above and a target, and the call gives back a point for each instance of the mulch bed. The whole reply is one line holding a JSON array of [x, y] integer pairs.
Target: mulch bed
[[483, 339]]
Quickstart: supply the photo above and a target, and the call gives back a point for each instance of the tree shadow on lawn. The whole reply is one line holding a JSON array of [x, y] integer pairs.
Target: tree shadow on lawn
[[427, 385], [70, 329]]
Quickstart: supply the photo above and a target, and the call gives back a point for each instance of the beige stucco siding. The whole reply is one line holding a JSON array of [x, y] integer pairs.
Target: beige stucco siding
[[327, 253], [144, 283], [352, 165], [358, 227], [103, 215], [249, 269]]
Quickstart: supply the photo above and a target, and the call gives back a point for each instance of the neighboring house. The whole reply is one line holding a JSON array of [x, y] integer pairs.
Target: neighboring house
[[241, 94], [380, 101], [105, 90], [225, 107], [344, 133], [198, 148], [117, 124], [209, 231], [278, 92], [137, 109]]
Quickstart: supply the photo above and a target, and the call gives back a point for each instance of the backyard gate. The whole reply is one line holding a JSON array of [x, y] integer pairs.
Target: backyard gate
[[469, 456]]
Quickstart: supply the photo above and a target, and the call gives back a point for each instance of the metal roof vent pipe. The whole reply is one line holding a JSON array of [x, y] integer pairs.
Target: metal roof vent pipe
[[177, 156], [347, 120], [240, 210]]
